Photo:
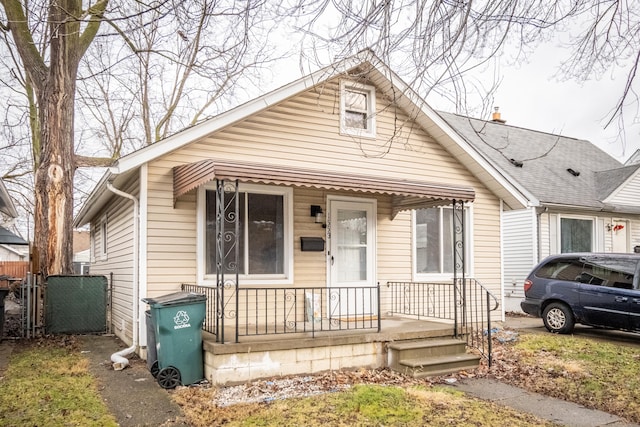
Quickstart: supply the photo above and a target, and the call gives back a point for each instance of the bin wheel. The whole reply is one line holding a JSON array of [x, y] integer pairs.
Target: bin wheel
[[169, 377], [154, 369]]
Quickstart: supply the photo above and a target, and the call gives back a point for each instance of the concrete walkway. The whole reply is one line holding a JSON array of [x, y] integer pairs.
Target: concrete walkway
[[547, 408]]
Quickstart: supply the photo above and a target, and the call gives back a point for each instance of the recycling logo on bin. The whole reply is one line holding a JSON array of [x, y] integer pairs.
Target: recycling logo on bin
[[181, 320]]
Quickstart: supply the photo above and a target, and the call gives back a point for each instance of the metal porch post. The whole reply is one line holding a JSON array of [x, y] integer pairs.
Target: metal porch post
[[459, 273], [227, 251]]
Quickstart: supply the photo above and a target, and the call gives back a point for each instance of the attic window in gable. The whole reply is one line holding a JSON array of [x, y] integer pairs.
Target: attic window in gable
[[357, 109]]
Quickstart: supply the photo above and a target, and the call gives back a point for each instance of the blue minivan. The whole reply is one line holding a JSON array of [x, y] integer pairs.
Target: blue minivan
[[595, 289]]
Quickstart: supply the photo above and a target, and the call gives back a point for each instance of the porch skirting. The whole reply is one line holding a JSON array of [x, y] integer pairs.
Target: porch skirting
[[236, 363]]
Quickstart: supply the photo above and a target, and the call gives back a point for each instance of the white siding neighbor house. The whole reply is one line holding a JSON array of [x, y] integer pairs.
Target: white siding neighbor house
[[579, 198], [339, 200], [12, 246]]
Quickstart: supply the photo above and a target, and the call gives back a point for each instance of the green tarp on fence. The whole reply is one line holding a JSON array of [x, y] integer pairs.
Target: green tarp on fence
[[76, 304]]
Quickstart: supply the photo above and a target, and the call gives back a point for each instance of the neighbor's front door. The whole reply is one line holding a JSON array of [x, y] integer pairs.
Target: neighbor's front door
[[351, 258], [619, 232]]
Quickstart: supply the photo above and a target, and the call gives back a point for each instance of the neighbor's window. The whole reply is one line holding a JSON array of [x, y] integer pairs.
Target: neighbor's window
[[358, 109], [434, 241], [261, 239], [576, 235]]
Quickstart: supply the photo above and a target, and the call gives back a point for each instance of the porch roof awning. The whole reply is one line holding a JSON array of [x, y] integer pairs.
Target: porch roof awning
[[407, 194]]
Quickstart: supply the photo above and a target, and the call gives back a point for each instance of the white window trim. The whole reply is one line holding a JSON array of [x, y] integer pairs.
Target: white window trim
[[595, 239], [469, 254], [271, 279], [103, 250], [370, 91], [92, 245]]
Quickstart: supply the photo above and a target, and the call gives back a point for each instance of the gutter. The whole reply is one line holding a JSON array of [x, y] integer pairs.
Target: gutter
[[119, 360]]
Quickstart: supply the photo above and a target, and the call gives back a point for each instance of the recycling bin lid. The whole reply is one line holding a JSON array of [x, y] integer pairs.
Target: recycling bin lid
[[175, 298]]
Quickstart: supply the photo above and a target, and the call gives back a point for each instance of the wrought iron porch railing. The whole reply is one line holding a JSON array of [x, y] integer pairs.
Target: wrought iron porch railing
[[254, 311], [469, 304]]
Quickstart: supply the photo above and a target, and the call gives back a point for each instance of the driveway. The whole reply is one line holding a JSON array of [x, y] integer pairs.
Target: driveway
[[535, 324]]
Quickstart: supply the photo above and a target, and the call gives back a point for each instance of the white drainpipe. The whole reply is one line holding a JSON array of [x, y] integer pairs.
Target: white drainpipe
[[119, 360]]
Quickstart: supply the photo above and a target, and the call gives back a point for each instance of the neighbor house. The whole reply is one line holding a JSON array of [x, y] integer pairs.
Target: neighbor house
[[327, 206], [14, 250], [579, 198], [12, 246], [6, 204]]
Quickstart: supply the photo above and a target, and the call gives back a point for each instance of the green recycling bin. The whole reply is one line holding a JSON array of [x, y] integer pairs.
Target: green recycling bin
[[177, 320]]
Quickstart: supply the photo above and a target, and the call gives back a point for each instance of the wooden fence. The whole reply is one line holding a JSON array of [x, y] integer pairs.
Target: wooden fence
[[15, 269]]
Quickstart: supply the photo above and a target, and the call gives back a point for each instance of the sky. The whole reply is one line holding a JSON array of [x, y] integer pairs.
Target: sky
[[531, 97]]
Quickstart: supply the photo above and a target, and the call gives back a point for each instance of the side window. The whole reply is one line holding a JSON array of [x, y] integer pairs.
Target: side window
[[606, 274], [103, 235], [591, 272], [593, 275], [99, 240], [433, 242], [569, 270]]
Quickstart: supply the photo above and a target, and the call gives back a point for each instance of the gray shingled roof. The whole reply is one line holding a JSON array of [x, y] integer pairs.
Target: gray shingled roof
[[8, 238], [539, 161]]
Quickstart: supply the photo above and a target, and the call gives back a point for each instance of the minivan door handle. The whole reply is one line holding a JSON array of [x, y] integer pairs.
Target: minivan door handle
[[621, 299], [636, 300]]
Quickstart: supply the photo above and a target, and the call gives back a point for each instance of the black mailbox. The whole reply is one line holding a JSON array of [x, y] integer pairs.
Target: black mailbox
[[312, 244]]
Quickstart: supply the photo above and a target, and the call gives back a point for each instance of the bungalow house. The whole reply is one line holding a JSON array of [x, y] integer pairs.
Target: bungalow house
[[579, 198], [326, 211]]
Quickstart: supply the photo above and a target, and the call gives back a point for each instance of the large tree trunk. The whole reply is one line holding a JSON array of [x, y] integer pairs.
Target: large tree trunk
[[54, 174], [54, 179]]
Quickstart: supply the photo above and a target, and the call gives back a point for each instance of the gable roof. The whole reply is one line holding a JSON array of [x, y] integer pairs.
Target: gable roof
[[8, 238], [6, 204], [609, 180], [557, 170], [384, 80]]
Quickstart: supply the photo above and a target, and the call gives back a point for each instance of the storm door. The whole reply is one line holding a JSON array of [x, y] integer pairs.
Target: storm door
[[351, 258]]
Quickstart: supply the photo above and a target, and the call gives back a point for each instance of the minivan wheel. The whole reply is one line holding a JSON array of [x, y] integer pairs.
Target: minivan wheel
[[558, 318]]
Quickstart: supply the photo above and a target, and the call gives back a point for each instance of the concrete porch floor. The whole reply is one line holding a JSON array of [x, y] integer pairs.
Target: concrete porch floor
[[392, 329]]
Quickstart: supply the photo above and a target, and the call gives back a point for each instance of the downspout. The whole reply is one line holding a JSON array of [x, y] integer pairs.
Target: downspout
[[119, 360]]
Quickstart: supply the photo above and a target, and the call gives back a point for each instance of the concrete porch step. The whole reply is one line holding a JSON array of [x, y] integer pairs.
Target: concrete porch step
[[427, 347], [430, 357], [441, 365]]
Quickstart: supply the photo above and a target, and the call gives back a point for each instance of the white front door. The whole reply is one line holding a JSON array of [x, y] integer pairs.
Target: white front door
[[351, 258]]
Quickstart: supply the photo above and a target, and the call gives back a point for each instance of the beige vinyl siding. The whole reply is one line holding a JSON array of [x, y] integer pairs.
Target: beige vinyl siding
[[309, 267], [119, 258], [304, 132], [171, 235]]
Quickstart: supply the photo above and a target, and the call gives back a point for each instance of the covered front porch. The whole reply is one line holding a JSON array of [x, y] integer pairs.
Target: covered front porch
[[351, 318], [423, 331]]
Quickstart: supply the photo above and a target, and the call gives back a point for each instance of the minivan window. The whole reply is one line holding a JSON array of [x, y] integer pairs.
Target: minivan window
[[565, 269], [597, 271]]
